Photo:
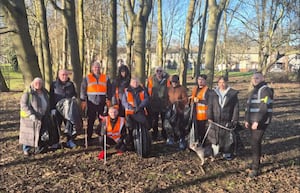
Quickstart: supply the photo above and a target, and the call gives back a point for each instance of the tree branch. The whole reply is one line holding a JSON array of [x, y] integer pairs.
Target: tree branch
[[5, 30], [56, 6]]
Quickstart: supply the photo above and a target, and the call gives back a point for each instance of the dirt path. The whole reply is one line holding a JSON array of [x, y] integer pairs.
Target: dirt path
[[166, 170]]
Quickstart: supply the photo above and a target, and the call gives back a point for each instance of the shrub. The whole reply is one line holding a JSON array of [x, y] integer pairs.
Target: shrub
[[281, 77]]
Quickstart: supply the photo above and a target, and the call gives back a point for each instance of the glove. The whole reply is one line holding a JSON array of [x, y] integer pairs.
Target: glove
[[32, 117], [83, 106], [53, 112], [196, 100]]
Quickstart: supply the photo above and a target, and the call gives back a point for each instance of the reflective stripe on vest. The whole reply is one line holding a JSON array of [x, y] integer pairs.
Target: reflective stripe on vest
[[257, 101], [96, 87], [130, 100], [23, 114], [201, 109], [114, 132]]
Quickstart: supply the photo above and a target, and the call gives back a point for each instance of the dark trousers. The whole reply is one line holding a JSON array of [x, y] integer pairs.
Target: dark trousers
[[68, 125], [179, 127], [93, 112], [155, 119], [201, 130], [256, 139]]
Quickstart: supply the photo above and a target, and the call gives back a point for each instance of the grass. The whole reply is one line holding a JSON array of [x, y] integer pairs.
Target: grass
[[14, 80]]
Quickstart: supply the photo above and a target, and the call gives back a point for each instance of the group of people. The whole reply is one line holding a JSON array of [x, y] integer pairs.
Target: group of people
[[162, 100], [42, 112]]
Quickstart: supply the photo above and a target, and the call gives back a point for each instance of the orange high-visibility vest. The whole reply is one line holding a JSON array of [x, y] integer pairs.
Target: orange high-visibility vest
[[201, 109], [150, 85], [114, 132], [96, 87], [117, 96], [130, 100]]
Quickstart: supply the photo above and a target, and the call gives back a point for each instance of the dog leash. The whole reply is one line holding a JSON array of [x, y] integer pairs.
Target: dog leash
[[221, 126]]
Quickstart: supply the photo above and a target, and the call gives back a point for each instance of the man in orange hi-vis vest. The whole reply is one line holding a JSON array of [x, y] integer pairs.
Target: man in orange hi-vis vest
[[95, 93], [200, 94], [113, 126]]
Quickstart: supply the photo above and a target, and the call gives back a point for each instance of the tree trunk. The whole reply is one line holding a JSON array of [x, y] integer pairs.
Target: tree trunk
[[112, 42], [159, 48], [80, 22], [41, 15], [140, 22], [215, 13], [64, 52], [186, 44], [16, 16], [73, 42], [201, 40], [148, 46], [128, 33], [139, 50], [39, 50]]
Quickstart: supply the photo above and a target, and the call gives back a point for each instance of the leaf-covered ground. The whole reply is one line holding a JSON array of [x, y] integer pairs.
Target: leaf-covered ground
[[166, 170]]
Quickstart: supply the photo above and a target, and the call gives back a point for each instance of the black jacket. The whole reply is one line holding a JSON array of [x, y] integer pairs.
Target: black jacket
[[260, 104], [222, 113], [59, 90]]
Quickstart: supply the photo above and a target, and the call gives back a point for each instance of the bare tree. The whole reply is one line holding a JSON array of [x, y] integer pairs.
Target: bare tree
[[128, 23], [139, 19], [16, 19], [187, 38], [80, 15], [69, 14], [44, 39], [265, 28], [171, 19], [159, 44], [215, 13], [201, 35], [112, 43]]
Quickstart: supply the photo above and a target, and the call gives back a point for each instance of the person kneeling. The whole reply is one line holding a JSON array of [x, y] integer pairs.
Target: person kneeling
[[113, 128]]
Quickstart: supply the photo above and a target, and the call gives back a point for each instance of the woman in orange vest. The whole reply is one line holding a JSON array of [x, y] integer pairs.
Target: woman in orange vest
[[114, 127], [135, 99], [200, 94]]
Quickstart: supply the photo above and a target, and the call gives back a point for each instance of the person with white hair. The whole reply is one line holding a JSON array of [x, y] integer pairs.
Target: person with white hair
[[34, 116], [157, 86]]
